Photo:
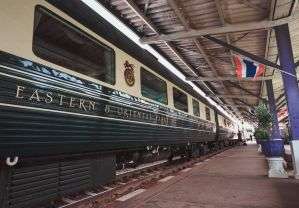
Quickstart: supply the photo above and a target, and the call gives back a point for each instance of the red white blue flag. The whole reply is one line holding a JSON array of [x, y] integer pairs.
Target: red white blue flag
[[246, 68]]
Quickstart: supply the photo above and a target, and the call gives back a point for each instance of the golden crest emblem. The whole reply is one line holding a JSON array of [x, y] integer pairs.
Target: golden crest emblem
[[129, 73]]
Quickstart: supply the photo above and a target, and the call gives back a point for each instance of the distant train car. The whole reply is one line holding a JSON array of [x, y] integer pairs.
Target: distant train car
[[76, 95]]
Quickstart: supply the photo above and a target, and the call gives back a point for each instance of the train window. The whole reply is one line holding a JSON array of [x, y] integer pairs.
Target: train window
[[208, 114], [226, 122], [196, 110], [62, 43], [180, 100], [153, 87]]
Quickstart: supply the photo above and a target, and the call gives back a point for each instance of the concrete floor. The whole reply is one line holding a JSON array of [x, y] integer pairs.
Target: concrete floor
[[233, 179]]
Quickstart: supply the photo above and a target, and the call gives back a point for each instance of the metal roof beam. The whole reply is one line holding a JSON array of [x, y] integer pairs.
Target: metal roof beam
[[220, 79], [227, 36], [141, 15], [232, 28], [254, 6], [178, 11], [247, 91], [148, 22], [243, 52], [238, 106], [145, 19], [243, 102], [270, 16], [186, 23], [234, 96], [223, 22], [146, 5], [295, 4]]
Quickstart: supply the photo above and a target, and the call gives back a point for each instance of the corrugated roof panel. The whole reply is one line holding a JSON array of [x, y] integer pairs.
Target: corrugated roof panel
[[204, 14]]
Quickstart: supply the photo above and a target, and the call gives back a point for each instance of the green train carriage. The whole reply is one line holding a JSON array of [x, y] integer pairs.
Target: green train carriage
[[77, 97]]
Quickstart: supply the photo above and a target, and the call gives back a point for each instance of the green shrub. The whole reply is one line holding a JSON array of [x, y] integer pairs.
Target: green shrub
[[264, 119], [263, 116], [261, 134]]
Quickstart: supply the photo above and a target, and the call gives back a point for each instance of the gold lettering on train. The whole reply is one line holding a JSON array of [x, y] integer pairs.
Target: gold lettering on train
[[71, 102], [107, 109], [127, 113], [35, 96], [63, 100], [92, 105], [47, 97], [20, 89]]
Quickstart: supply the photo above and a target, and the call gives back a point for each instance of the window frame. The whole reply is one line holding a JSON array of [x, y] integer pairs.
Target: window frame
[[207, 109], [194, 100], [77, 29], [175, 88], [147, 71]]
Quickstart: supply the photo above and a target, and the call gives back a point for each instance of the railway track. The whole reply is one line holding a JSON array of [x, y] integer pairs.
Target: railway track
[[129, 180]]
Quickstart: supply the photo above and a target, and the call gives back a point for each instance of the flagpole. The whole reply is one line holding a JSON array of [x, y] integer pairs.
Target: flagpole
[[287, 73]]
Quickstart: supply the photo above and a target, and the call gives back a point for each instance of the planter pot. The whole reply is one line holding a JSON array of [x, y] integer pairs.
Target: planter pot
[[272, 148]]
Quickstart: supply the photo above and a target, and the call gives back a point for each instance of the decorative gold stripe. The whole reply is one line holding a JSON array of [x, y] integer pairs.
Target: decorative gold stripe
[[75, 92], [93, 116]]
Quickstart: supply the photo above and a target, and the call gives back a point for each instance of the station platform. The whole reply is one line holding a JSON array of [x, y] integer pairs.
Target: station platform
[[233, 179]]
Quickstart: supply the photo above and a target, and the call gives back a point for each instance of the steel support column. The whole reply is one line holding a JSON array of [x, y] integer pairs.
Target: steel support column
[[291, 89], [275, 144], [275, 134]]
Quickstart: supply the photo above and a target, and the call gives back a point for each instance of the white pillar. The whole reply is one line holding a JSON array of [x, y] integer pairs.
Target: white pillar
[[276, 169], [295, 157]]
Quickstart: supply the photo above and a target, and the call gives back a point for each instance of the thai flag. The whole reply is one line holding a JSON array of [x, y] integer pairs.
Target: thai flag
[[282, 113], [246, 68]]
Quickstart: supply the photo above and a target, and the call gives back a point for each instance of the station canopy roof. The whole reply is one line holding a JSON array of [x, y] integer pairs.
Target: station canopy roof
[[184, 32]]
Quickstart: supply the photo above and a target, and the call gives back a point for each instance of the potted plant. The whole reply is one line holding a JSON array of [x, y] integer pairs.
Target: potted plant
[[261, 135], [264, 123], [270, 147]]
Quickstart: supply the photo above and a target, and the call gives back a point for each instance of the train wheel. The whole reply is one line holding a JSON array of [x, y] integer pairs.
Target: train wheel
[[171, 155], [136, 158]]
